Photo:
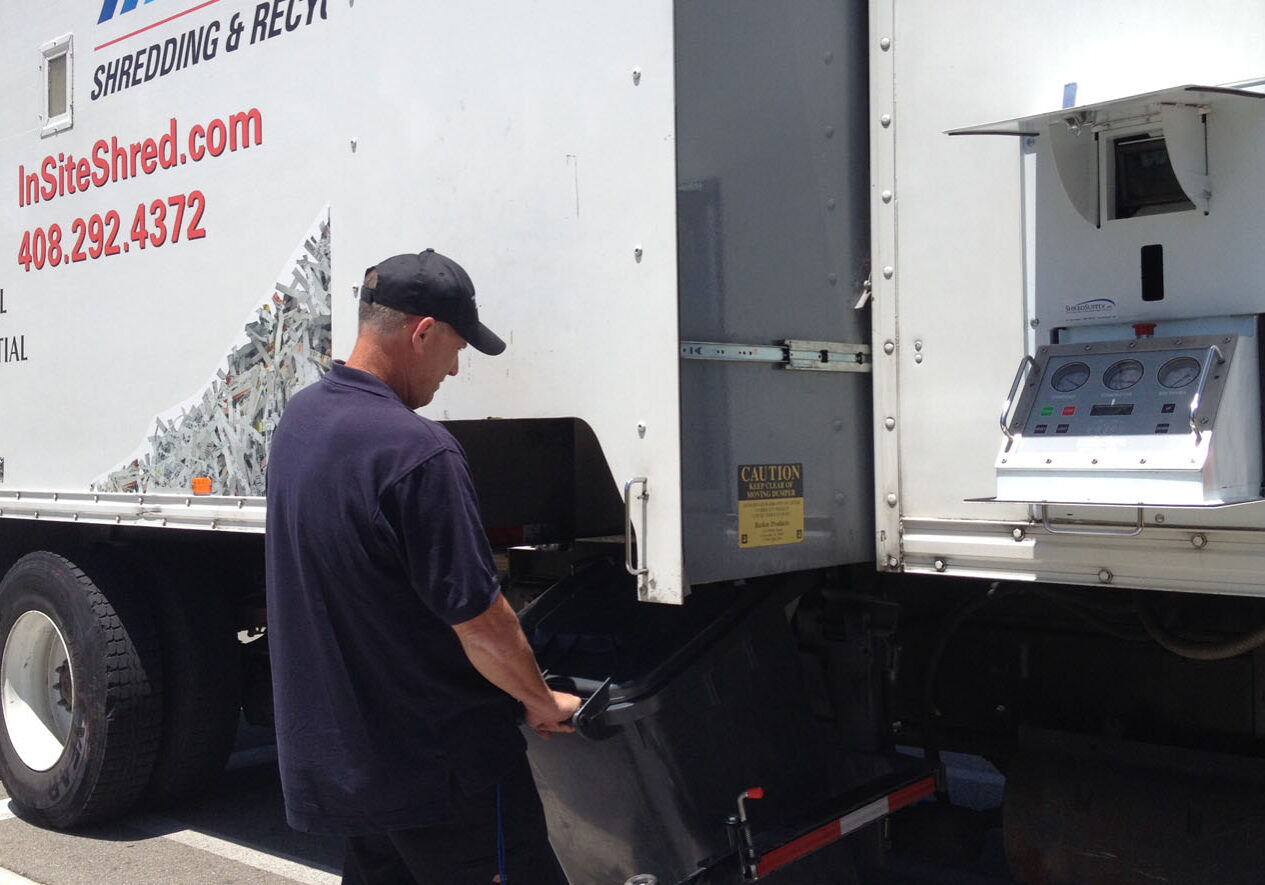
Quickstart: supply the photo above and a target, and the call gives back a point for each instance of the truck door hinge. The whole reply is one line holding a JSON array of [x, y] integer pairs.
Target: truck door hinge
[[792, 353]]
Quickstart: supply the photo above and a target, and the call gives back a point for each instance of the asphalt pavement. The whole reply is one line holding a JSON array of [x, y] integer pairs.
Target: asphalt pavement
[[234, 832]]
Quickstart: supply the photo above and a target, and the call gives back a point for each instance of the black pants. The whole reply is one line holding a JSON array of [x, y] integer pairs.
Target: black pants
[[463, 851]]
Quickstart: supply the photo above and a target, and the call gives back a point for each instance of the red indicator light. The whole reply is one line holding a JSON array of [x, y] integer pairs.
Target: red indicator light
[[1069, 410]]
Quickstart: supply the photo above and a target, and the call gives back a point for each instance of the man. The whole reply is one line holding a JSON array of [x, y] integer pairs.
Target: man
[[395, 659]]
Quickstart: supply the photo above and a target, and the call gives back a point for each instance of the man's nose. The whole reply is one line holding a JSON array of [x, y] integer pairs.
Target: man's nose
[[452, 370]]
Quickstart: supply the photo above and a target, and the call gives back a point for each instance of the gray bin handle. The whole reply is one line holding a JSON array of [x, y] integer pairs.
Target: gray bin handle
[[589, 720]]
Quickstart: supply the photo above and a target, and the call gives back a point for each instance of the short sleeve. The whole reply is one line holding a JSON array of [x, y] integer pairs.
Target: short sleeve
[[446, 552]]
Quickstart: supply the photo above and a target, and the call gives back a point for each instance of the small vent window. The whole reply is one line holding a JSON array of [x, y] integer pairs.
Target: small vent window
[[57, 86], [56, 67], [1145, 182]]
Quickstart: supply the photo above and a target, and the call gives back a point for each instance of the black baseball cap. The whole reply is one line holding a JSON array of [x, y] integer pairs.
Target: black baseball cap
[[429, 284]]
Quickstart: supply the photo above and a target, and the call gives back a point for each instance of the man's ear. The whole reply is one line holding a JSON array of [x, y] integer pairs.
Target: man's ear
[[423, 328]]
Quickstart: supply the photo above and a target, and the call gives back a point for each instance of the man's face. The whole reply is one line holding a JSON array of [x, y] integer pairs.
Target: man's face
[[435, 358]]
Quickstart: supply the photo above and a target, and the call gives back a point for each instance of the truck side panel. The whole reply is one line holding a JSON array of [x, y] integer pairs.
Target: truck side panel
[[961, 245], [534, 144]]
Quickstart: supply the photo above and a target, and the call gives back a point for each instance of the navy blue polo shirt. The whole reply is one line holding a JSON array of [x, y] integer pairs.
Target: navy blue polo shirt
[[374, 549]]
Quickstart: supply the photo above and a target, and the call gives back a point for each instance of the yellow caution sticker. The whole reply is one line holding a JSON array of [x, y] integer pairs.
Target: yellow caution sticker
[[770, 504]]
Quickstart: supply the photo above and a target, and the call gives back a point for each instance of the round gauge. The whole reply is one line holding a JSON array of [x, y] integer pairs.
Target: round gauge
[[1070, 377], [1122, 375], [1179, 371]]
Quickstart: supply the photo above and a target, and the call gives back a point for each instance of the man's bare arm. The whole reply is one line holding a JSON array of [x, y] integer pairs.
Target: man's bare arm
[[495, 644]]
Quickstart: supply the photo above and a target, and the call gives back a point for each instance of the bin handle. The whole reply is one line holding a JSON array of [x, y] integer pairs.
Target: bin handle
[[585, 718], [638, 568]]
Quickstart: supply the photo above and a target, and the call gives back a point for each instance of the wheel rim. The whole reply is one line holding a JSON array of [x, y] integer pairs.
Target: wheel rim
[[37, 688]]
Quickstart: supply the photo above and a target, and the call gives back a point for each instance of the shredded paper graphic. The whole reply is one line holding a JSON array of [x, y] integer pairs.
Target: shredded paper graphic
[[225, 433]]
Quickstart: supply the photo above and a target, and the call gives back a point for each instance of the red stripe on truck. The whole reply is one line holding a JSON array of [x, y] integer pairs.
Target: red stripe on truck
[[797, 848], [154, 25], [850, 822], [911, 793]]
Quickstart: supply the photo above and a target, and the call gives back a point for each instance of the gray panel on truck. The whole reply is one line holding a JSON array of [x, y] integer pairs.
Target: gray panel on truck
[[773, 245]]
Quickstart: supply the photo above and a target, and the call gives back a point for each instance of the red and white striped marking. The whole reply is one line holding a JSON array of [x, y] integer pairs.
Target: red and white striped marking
[[850, 822]]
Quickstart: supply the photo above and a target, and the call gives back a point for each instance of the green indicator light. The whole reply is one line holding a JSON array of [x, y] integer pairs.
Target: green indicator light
[[1047, 411]]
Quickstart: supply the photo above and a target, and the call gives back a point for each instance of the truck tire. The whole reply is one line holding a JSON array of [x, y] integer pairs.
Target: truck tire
[[79, 688], [201, 682]]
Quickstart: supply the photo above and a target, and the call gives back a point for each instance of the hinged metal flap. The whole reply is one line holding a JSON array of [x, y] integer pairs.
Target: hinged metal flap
[[1115, 111], [1179, 113], [1121, 505]]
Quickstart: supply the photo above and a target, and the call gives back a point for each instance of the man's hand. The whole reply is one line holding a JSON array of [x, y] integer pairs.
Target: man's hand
[[496, 646], [553, 718]]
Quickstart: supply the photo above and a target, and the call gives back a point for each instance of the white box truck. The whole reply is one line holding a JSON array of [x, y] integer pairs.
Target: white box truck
[[894, 366]]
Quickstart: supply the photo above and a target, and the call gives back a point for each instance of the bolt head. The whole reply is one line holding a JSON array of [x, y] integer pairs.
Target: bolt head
[[885, 43], [891, 499], [887, 196]]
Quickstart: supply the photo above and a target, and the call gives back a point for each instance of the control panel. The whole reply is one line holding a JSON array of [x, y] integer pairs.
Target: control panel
[[1091, 391], [1172, 421]]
